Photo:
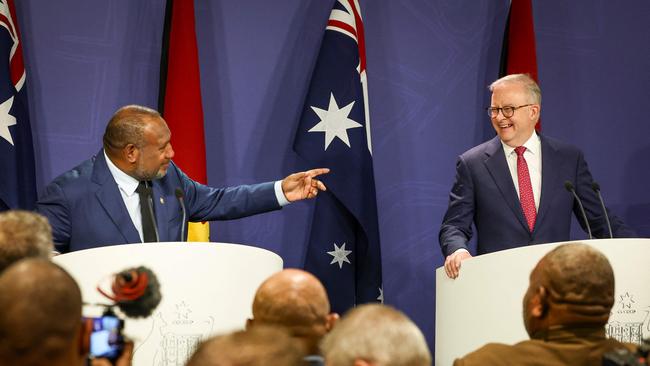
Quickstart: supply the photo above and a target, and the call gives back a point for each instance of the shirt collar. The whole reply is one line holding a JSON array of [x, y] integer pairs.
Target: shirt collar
[[125, 182], [532, 144]]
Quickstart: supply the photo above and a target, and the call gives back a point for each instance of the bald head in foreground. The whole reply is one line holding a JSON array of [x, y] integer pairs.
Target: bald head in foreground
[[40, 316], [375, 335], [566, 307], [296, 300]]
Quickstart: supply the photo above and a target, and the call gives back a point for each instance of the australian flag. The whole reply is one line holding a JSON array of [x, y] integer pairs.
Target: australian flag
[[334, 132], [17, 180]]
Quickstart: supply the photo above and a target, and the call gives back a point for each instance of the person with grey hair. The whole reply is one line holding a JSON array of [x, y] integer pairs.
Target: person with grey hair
[[567, 304], [132, 192], [512, 188], [24, 234], [375, 335]]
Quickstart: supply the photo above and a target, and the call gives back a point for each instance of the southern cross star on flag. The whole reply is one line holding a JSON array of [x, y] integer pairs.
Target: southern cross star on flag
[[334, 132], [17, 181]]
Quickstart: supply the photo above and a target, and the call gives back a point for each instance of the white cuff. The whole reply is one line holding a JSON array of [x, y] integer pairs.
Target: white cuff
[[282, 200]]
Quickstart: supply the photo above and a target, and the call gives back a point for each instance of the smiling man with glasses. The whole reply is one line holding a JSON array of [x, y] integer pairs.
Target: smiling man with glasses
[[511, 189]]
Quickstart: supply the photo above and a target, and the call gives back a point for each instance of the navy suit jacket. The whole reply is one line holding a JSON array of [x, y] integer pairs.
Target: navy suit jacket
[[86, 210], [484, 194]]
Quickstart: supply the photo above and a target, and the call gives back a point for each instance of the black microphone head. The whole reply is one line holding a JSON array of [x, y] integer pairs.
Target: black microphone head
[[140, 285], [568, 185], [179, 193], [595, 186]]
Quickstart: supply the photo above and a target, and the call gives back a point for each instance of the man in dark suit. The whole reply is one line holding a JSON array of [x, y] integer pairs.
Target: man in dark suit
[[566, 307], [98, 202], [512, 187]]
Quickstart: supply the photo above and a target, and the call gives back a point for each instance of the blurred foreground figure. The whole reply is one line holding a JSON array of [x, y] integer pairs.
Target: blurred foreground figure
[[375, 335], [566, 307]]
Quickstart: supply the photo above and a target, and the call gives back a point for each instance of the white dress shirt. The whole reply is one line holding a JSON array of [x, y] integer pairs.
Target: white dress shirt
[[127, 186]]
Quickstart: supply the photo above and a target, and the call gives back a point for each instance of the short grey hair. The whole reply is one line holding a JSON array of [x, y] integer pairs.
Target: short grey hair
[[376, 333], [528, 82], [24, 234]]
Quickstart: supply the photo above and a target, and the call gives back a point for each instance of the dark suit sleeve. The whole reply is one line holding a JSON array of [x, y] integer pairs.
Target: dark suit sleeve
[[53, 205], [456, 229], [206, 203], [593, 209]]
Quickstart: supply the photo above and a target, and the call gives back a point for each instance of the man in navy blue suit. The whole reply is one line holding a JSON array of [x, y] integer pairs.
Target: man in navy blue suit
[[98, 203], [512, 187]]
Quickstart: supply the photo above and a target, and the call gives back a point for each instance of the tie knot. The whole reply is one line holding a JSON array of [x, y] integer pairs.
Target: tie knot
[[520, 150], [142, 187]]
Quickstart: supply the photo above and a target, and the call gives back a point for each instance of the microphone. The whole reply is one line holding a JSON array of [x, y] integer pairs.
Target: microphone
[[569, 187], [148, 191], [179, 196], [136, 291], [596, 187]]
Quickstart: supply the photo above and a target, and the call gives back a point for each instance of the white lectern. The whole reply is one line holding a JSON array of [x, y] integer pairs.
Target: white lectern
[[484, 304], [207, 288]]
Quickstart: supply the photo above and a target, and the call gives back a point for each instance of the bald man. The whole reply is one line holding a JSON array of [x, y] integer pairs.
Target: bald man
[[40, 316], [24, 234], [296, 300], [566, 307]]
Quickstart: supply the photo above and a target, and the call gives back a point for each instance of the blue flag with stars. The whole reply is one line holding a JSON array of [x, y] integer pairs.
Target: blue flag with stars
[[334, 132], [17, 181]]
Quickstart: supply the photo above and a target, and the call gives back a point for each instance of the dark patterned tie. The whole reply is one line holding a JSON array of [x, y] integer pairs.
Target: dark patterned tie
[[525, 189], [148, 229]]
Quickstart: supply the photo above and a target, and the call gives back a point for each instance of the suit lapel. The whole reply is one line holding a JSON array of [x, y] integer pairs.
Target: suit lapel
[[498, 167], [550, 164], [110, 199]]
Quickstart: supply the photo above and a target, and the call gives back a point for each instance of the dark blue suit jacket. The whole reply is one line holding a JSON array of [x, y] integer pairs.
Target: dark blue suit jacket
[[485, 194], [86, 210]]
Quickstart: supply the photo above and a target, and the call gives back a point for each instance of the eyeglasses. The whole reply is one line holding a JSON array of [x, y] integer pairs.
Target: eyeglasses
[[507, 112]]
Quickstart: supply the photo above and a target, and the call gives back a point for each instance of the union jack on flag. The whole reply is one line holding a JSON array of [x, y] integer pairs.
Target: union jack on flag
[[17, 181], [334, 132]]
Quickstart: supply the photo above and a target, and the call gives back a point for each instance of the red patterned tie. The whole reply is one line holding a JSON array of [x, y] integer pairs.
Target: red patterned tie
[[525, 189]]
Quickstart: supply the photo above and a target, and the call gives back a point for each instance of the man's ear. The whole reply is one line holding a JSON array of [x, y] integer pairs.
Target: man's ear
[[131, 153], [539, 303], [534, 111], [332, 318]]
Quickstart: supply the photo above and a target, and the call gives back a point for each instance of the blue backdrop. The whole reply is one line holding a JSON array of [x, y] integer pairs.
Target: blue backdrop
[[429, 62]]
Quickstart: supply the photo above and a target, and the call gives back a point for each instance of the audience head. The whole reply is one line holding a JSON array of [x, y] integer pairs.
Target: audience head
[[294, 299], [138, 142], [24, 234], [376, 335], [40, 316], [515, 108], [571, 285], [259, 346]]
